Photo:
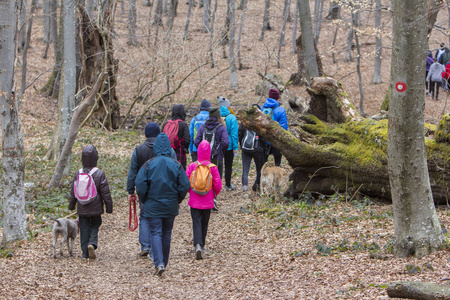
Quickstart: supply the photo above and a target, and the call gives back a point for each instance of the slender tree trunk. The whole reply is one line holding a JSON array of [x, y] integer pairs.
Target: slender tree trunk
[[158, 13], [378, 44], [334, 12], [171, 16], [333, 48], [358, 70], [46, 20], [211, 36], [90, 9], [281, 42], [241, 26], [22, 25], [206, 16], [188, 20], [416, 227], [307, 40], [232, 57], [266, 23], [25, 50], [294, 29], [132, 19], [14, 216], [318, 9]]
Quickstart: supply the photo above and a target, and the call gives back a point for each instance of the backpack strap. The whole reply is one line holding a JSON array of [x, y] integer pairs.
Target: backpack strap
[[93, 170]]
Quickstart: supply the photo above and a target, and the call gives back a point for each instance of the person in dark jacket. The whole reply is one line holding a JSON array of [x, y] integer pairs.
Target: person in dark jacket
[[140, 155], [89, 214], [162, 184], [247, 155], [430, 61], [179, 115], [221, 140], [279, 115]]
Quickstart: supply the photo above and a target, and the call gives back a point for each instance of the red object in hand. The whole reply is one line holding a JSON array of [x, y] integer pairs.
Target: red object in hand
[[132, 209]]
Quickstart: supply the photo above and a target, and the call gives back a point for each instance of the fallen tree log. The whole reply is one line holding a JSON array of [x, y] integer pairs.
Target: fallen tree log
[[328, 158], [418, 290]]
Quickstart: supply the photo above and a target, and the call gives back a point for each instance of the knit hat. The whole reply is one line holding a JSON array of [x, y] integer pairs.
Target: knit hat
[[274, 94], [214, 112], [205, 105], [223, 102], [152, 130]]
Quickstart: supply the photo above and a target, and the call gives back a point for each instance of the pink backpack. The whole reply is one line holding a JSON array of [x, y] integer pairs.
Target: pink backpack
[[84, 187]]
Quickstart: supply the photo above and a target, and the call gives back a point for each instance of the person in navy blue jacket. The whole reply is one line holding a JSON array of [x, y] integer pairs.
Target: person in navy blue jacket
[[162, 184], [278, 114]]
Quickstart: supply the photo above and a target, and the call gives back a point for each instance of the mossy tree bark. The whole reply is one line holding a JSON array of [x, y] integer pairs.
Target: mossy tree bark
[[418, 290], [417, 230]]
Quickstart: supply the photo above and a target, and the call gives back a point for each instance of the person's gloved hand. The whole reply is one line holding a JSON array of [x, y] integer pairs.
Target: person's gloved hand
[[236, 153]]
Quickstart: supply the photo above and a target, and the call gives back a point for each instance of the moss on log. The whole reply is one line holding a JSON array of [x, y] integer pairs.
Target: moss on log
[[352, 155]]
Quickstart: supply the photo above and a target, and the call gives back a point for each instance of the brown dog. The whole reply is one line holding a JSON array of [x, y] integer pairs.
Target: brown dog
[[271, 179], [68, 230]]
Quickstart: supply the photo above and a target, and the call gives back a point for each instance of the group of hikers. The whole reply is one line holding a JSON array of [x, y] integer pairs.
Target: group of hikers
[[161, 178], [437, 71]]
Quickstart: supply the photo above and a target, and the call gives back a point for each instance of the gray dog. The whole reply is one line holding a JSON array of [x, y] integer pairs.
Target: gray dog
[[68, 230]]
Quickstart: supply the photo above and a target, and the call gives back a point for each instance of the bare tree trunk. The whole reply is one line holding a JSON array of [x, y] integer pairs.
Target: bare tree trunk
[[448, 8], [348, 52], [14, 217], [433, 9], [158, 13], [188, 20], [46, 20], [90, 9], [211, 36], [25, 50], [132, 19], [407, 158], [334, 12], [206, 15], [22, 25], [232, 58], [266, 23], [333, 48], [294, 29], [308, 40], [241, 26], [378, 44], [171, 16], [282, 31], [358, 70], [318, 9]]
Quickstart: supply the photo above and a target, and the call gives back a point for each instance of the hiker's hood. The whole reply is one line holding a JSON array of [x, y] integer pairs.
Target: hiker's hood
[[430, 54], [205, 105], [178, 112], [204, 151], [224, 111], [162, 145], [272, 103], [211, 123], [89, 156]]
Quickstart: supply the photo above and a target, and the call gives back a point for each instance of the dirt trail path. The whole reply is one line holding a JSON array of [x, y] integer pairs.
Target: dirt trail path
[[246, 259]]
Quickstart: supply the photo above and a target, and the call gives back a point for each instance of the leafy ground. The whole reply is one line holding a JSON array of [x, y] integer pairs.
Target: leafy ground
[[257, 248]]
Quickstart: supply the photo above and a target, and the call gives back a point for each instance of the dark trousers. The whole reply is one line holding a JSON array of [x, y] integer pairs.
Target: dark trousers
[[200, 220], [258, 157], [276, 155], [432, 85], [219, 164], [89, 232], [182, 160], [426, 82], [229, 157], [194, 156]]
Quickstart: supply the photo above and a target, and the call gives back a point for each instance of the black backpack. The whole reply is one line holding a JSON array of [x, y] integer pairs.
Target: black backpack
[[250, 142], [210, 136]]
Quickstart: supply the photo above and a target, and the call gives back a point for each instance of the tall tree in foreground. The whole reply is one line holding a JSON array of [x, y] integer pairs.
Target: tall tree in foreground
[[14, 217], [416, 227], [309, 51], [378, 44]]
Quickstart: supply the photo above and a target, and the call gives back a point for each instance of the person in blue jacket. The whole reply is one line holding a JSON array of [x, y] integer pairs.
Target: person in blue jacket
[[232, 129], [278, 114], [196, 122], [162, 184]]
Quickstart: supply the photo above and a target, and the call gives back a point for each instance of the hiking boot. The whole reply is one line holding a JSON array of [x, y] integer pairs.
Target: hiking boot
[[244, 188], [91, 250], [198, 252], [215, 208], [144, 253], [159, 270], [230, 188], [255, 187]]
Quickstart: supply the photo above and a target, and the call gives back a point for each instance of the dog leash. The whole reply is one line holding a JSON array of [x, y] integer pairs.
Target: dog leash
[[132, 209]]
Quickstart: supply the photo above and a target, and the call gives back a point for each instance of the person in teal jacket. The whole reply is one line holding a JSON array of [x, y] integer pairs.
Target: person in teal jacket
[[162, 184], [232, 129]]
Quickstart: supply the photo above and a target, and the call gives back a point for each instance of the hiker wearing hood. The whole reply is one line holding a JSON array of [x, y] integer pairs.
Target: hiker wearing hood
[[434, 77], [196, 122], [279, 115], [89, 213], [221, 141], [201, 205], [140, 155], [178, 132], [162, 184], [232, 126]]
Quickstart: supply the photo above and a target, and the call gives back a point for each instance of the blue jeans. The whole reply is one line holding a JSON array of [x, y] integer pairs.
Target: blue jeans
[[161, 235], [144, 231]]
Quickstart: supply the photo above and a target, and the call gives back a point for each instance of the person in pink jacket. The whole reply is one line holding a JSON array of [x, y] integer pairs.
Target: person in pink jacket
[[201, 205]]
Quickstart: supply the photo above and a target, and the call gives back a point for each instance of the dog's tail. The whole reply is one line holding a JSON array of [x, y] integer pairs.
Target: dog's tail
[[54, 219], [263, 169]]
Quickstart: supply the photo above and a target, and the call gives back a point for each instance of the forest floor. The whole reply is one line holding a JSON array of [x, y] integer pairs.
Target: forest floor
[[257, 248]]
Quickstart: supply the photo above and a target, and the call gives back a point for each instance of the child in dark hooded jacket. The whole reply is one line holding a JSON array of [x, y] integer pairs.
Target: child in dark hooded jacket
[[89, 214]]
